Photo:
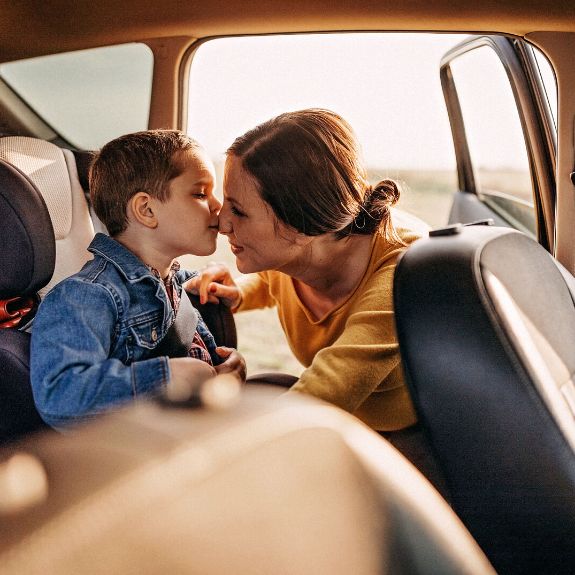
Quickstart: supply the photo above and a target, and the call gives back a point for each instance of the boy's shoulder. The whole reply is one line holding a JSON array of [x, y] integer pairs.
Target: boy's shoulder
[[113, 263], [96, 275], [98, 270]]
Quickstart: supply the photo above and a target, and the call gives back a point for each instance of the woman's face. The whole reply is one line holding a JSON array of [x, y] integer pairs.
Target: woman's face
[[257, 238]]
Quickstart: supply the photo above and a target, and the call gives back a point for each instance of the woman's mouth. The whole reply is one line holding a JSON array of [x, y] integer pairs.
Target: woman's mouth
[[236, 249]]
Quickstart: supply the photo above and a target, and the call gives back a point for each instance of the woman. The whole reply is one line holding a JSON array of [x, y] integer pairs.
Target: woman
[[317, 242]]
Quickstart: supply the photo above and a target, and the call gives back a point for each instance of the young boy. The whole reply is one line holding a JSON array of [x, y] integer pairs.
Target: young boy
[[121, 327]]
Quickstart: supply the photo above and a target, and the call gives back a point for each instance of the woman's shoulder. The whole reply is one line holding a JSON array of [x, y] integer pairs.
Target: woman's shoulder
[[408, 236], [386, 252]]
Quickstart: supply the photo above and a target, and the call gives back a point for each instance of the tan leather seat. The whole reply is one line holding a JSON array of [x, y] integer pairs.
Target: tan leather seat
[[274, 485]]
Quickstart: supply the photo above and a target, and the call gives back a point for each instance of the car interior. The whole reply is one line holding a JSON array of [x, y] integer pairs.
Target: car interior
[[485, 315]]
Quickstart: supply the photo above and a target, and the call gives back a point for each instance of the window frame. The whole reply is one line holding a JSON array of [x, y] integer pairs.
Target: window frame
[[536, 121]]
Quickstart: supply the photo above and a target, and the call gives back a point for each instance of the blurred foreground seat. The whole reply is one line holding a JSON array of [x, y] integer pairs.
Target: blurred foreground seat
[[271, 486]]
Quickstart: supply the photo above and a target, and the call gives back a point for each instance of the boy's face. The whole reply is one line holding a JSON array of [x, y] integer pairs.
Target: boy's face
[[188, 219]]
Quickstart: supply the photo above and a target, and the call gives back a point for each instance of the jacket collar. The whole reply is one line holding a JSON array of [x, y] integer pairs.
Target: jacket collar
[[127, 263]]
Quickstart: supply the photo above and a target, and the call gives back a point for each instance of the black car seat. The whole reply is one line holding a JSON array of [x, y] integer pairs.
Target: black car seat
[[27, 258], [486, 328], [46, 229]]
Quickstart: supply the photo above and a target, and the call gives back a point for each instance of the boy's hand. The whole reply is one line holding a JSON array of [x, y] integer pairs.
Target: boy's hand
[[234, 363], [215, 284], [195, 382], [189, 371]]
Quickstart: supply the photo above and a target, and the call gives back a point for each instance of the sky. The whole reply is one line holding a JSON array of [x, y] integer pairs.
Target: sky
[[386, 85]]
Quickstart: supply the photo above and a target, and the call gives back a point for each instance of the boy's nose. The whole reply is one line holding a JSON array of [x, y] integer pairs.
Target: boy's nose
[[215, 205]]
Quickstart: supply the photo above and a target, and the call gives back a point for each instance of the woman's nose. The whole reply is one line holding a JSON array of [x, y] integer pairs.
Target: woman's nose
[[224, 227], [225, 224]]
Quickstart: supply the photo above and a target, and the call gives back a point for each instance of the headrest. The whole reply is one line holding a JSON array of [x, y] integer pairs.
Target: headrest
[[53, 172], [44, 164], [28, 251]]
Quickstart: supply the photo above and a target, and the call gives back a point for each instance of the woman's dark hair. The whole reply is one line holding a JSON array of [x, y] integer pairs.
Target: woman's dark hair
[[307, 168]]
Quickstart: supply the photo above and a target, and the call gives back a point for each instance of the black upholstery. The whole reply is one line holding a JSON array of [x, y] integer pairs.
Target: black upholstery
[[83, 160], [18, 414], [273, 378], [28, 249], [486, 327], [26, 264], [220, 321]]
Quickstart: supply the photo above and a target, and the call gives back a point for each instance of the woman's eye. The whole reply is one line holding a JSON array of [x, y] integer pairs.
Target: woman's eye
[[236, 212], [200, 196]]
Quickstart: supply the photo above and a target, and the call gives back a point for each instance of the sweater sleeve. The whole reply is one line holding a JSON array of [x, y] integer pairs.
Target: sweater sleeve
[[365, 357], [72, 375], [255, 292]]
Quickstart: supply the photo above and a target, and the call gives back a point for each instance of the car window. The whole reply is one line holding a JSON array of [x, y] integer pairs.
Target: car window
[[87, 97], [386, 85], [495, 137]]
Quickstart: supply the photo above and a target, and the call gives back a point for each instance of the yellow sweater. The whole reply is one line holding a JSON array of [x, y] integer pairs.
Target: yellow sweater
[[351, 354]]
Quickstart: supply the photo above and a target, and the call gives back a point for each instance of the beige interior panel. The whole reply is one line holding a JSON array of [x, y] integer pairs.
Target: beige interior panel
[[62, 26], [560, 48]]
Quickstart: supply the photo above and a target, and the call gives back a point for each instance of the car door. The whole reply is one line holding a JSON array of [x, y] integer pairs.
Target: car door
[[503, 133]]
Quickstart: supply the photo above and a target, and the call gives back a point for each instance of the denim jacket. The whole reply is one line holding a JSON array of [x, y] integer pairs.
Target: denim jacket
[[94, 336]]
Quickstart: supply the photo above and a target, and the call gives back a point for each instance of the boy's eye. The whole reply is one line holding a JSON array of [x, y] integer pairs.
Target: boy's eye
[[200, 196], [236, 212]]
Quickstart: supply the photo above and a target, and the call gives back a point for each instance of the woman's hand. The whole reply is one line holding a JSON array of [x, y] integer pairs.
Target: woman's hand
[[214, 284], [234, 363]]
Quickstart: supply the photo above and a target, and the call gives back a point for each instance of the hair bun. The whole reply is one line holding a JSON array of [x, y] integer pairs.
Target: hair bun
[[385, 192], [375, 207]]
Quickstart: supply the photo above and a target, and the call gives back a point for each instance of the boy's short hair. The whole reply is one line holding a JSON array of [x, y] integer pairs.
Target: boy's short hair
[[140, 162]]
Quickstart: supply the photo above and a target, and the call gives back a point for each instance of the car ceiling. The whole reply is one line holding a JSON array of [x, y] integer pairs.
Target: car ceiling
[[34, 28]]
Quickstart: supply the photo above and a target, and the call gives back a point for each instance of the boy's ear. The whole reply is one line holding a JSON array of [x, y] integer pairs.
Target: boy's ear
[[141, 208]]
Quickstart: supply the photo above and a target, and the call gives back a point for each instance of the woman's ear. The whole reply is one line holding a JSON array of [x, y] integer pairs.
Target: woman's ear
[[141, 210]]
